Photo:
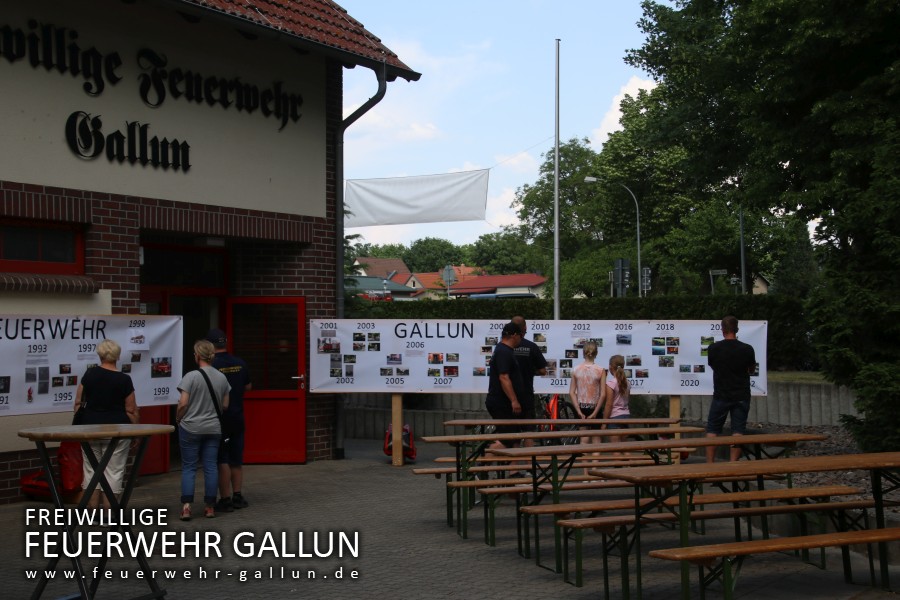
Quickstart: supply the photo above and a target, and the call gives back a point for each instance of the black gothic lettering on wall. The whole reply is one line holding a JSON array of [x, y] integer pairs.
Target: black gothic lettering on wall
[[51, 47], [84, 135], [157, 82], [45, 45]]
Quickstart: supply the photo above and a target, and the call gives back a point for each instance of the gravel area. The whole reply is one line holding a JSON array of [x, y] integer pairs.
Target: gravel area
[[839, 442]]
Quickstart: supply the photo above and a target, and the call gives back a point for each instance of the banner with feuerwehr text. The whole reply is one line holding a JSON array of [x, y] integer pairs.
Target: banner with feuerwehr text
[[43, 357]]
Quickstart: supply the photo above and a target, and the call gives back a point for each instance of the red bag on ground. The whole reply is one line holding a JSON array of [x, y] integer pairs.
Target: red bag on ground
[[69, 458], [34, 484], [409, 443]]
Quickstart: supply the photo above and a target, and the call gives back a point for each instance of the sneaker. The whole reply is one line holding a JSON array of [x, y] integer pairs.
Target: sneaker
[[237, 501], [224, 505], [209, 512], [186, 512]]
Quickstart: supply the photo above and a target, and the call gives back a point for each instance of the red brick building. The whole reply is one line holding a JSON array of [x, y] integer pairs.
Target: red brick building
[[182, 157]]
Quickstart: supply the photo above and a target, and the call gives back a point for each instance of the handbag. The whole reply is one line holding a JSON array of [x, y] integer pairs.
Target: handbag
[[226, 434], [78, 417]]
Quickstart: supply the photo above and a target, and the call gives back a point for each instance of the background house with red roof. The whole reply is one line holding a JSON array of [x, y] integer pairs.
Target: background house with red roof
[[529, 283], [386, 268], [432, 284], [377, 289]]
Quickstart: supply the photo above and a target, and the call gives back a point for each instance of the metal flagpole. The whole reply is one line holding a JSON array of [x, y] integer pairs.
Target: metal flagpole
[[556, 201]]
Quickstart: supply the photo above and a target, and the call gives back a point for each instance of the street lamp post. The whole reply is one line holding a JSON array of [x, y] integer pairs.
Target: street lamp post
[[637, 212]]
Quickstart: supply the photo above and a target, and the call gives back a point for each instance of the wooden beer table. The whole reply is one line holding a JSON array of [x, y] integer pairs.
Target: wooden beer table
[[562, 457], [656, 480]]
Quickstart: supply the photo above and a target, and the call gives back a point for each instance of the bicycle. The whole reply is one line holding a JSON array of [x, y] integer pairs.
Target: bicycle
[[555, 407]]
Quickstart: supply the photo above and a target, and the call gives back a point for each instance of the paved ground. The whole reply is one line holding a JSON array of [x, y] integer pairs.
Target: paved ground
[[405, 548]]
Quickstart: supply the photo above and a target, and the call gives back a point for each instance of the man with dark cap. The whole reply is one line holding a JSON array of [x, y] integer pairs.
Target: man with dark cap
[[231, 455], [505, 386]]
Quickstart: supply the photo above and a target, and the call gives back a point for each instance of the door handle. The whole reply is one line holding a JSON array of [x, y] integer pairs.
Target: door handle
[[302, 379]]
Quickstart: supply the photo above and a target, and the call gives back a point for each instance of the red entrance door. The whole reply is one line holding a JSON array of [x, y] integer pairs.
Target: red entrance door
[[270, 334]]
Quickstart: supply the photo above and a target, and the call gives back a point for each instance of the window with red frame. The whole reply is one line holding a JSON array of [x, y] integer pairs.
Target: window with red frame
[[45, 249]]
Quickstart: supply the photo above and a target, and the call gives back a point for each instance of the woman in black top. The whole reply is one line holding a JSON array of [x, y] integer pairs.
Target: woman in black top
[[109, 395]]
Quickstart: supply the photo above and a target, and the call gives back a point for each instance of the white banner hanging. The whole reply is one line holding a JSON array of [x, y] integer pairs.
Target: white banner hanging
[[420, 199], [661, 357], [42, 358]]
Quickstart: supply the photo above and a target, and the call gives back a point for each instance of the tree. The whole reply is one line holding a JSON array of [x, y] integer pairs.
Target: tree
[[430, 254], [588, 275], [791, 267], [793, 105], [503, 253], [350, 246], [582, 222], [350, 254], [651, 167], [381, 250], [580, 226]]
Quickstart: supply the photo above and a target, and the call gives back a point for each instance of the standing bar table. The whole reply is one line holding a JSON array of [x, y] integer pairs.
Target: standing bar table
[[85, 434]]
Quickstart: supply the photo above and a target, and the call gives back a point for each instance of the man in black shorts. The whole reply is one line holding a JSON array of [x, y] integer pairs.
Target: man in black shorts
[[505, 386], [231, 455], [732, 363]]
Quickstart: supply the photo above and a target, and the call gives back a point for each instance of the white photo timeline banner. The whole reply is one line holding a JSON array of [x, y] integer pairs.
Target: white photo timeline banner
[[434, 356], [42, 358]]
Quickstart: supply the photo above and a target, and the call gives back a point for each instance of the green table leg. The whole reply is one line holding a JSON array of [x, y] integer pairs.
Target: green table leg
[[684, 523], [878, 496], [557, 532]]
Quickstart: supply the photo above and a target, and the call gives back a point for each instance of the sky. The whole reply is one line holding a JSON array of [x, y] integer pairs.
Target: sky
[[487, 95]]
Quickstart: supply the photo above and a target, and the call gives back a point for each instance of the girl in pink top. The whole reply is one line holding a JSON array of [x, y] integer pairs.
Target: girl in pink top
[[587, 391], [618, 394]]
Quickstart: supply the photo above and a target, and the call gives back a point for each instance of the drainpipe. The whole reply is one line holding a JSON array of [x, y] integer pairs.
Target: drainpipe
[[339, 234]]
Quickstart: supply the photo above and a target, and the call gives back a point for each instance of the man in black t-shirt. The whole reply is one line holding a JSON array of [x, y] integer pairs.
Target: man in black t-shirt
[[505, 386], [732, 363], [231, 455], [531, 363]]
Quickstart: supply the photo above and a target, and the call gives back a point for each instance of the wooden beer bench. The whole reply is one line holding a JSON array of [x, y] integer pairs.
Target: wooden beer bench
[[661, 481], [492, 495], [564, 455], [470, 447], [616, 529], [723, 561], [480, 476]]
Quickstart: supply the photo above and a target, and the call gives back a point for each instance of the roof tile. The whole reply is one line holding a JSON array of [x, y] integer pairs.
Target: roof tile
[[319, 21], [490, 283], [382, 267]]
